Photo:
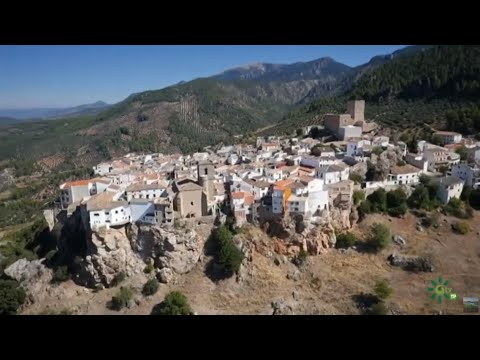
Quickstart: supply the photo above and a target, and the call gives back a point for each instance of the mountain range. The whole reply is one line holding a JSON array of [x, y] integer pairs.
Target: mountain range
[[243, 100], [32, 114]]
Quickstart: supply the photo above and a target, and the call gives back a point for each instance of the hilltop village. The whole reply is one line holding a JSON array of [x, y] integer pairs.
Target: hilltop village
[[276, 177]]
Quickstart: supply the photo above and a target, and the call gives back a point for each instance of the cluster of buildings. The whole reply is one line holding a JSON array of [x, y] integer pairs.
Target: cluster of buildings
[[275, 177]]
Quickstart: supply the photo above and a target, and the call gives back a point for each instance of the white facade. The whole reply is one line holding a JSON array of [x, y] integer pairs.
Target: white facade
[[233, 159], [110, 217], [318, 201], [273, 175], [317, 161], [102, 169], [349, 131], [417, 161], [449, 137], [381, 141], [470, 175], [332, 174], [149, 194], [449, 188], [355, 148], [405, 179]]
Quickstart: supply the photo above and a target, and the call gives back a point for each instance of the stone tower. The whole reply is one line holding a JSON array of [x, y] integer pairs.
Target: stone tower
[[356, 109], [206, 177]]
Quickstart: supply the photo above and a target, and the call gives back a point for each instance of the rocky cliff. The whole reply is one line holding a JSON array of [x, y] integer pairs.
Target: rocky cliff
[[171, 250]]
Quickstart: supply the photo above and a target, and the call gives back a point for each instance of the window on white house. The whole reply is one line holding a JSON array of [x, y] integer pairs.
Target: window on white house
[[107, 213], [96, 214], [191, 203], [116, 211]]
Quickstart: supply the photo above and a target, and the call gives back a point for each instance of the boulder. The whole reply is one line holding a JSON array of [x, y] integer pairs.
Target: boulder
[[165, 275], [281, 307], [294, 275], [397, 239], [34, 277], [26, 271], [415, 264]]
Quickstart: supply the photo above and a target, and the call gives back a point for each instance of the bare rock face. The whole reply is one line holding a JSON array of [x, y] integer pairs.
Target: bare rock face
[[354, 216], [319, 239], [112, 253], [33, 276], [175, 249], [340, 218], [359, 168]]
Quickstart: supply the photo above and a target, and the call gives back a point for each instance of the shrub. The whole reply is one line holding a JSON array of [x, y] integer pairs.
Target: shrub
[[175, 303], [124, 130], [11, 297], [380, 237], [346, 240], [466, 192], [474, 199], [148, 269], [230, 257], [377, 150], [119, 278], [364, 208], [356, 178], [301, 258], [432, 220], [382, 290], [397, 211], [396, 198], [56, 312], [150, 287], [61, 274], [378, 309], [228, 254], [461, 227], [378, 200], [358, 197], [121, 300]]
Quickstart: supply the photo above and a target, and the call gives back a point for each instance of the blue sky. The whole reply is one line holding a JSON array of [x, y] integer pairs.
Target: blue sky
[[61, 76]]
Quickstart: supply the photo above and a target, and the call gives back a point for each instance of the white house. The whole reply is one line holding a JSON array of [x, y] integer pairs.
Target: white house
[[145, 191], [349, 131], [142, 211], [273, 175], [317, 161], [470, 174], [404, 175], [355, 147], [381, 141], [417, 160], [449, 187], [73, 192], [258, 189], [102, 168], [438, 157], [104, 210], [293, 159], [233, 159], [448, 137], [333, 173], [241, 206]]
